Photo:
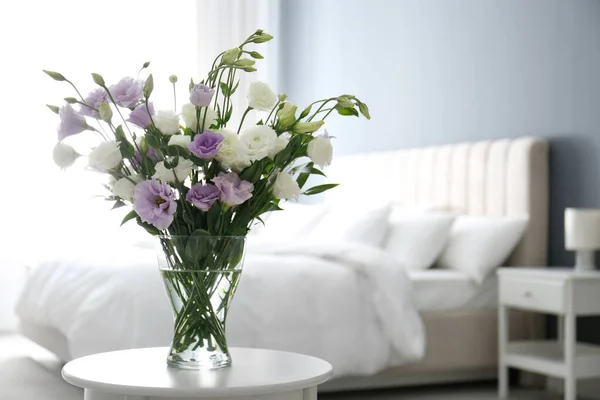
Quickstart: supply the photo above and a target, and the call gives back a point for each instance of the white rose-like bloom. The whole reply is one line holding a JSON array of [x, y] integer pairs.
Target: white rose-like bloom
[[167, 122], [229, 154], [285, 186], [106, 156], [179, 173], [280, 143], [125, 187], [261, 97], [180, 140], [257, 142], [320, 150], [64, 155], [188, 113]]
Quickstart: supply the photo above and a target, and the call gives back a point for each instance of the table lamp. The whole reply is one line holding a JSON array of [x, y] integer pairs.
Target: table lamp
[[582, 235]]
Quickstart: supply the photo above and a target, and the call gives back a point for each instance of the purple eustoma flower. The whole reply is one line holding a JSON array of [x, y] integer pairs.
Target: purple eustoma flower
[[140, 117], [127, 92], [93, 100], [71, 123], [206, 145], [203, 196], [155, 203], [201, 95], [232, 189]]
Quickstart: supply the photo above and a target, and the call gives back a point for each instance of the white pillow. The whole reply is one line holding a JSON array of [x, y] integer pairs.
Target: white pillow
[[417, 238], [295, 220], [478, 245], [354, 224]]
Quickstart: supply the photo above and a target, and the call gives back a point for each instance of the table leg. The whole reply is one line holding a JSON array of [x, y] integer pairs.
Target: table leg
[[310, 393], [90, 394], [503, 327], [570, 342]]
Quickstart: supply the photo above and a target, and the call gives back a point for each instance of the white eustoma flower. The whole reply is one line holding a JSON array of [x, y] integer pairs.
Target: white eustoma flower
[[180, 140], [229, 154], [285, 186], [320, 150], [167, 122], [179, 173], [257, 142], [261, 97], [188, 114], [280, 143], [125, 187], [64, 155], [106, 156]]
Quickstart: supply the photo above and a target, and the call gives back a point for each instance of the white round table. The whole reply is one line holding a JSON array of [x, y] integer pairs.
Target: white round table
[[142, 374]]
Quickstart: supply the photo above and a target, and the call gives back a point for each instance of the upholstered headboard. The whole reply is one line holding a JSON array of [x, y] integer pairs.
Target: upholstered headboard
[[501, 177]]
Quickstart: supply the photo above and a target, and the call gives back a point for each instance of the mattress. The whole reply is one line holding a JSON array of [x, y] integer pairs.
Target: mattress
[[446, 290]]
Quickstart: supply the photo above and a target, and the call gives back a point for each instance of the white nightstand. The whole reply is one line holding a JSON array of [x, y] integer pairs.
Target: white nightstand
[[564, 292]]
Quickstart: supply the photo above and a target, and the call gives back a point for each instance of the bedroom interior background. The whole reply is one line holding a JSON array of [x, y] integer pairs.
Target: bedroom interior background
[[511, 68]]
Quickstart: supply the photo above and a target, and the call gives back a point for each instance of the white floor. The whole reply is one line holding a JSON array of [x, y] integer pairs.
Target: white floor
[[28, 372]]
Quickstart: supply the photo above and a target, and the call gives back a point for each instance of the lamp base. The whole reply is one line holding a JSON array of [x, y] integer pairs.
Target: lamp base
[[584, 261]]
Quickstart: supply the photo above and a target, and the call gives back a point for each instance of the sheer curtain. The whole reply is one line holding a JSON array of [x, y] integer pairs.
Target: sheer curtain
[[114, 38]]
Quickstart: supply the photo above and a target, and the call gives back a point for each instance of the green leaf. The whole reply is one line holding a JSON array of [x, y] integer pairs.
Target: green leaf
[[344, 102], [153, 141], [213, 218], [347, 111], [71, 100], [119, 133], [173, 150], [52, 108], [316, 171], [55, 75], [302, 178], [127, 150], [200, 233], [224, 89], [130, 215], [319, 189], [235, 88], [364, 110], [148, 86], [118, 204], [98, 79]]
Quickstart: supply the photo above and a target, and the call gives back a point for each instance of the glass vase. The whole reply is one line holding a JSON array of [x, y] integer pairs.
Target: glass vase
[[200, 275]]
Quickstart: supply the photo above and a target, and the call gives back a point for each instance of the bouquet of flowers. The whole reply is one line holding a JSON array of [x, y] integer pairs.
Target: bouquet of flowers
[[199, 187]]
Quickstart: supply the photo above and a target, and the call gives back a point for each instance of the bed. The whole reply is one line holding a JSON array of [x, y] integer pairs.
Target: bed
[[443, 329]]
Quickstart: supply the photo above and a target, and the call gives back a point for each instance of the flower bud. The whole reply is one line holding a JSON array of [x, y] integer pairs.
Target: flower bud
[[148, 86], [263, 37], [64, 155], [71, 100], [287, 114], [256, 54], [244, 62], [55, 75], [105, 111], [98, 79], [230, 56], [173, 79], [307, 127], [282, 97]]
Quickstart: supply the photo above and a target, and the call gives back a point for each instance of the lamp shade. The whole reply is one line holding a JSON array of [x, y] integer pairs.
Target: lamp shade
[[582, 229]]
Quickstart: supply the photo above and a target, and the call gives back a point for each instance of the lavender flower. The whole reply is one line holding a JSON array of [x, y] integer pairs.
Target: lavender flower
[[206, 145], [232, 190], [155, 203], [127, 92], [140, 117], [93, 100], [203, 196], [201, 95], [71, 123], [151, 153]]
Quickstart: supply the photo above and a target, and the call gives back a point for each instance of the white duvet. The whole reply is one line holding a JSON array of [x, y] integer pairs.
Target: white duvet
[[346, 303]]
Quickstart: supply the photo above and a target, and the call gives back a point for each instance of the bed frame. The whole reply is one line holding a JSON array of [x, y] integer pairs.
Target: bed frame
[[501, 177]]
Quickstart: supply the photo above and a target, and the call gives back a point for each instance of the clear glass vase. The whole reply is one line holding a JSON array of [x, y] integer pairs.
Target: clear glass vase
[[200, 274]]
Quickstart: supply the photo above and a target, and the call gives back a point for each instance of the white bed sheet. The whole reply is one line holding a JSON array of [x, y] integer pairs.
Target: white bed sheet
[[444, 290], [331, 302]]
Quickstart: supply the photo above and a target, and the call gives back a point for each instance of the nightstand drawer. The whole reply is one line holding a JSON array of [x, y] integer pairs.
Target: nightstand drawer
[[533, 295]]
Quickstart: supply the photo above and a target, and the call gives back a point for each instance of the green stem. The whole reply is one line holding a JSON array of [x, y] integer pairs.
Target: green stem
[[243, 117]]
